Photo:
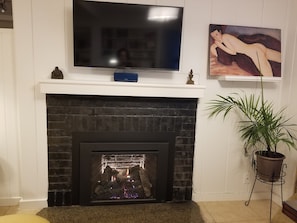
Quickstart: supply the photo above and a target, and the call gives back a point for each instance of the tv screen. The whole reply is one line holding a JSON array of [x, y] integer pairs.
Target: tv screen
[[119, 35]]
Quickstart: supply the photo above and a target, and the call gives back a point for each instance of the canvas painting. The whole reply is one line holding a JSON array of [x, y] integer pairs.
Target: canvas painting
[[245, 51]]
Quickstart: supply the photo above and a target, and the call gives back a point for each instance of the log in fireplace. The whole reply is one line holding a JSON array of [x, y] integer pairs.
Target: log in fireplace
[[86, 134]]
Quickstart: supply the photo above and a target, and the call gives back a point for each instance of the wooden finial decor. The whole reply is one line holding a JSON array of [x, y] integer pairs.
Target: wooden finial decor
[[190, 78]]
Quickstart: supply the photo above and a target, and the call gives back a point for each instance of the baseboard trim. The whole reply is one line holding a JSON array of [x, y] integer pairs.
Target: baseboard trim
[[33, 203]]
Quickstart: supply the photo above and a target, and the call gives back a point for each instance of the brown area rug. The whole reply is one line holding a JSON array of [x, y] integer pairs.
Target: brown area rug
[[187, 212]]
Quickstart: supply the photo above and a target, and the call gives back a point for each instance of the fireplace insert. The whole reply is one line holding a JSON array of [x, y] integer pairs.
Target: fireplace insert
[[134, 167]]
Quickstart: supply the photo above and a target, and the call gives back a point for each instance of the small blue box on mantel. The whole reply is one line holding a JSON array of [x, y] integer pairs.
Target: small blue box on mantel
[[125, 76]]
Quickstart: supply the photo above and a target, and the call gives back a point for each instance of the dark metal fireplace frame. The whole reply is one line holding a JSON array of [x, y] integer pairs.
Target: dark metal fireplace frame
[[84, 143]]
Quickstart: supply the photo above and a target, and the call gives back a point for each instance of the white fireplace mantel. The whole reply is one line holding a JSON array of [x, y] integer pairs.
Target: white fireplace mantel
[[78, 87]]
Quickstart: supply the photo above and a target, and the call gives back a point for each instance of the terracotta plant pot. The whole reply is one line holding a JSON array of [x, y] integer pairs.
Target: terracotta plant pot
[[269, 165]]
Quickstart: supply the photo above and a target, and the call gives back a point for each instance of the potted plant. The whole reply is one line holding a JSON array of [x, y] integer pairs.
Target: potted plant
[[260, 127]]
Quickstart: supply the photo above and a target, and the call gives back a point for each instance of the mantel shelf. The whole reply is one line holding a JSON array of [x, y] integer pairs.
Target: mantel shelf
[[248, 78], [133, 89]]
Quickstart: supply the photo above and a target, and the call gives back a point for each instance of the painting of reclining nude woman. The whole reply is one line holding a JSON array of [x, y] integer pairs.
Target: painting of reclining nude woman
[[245, 51]]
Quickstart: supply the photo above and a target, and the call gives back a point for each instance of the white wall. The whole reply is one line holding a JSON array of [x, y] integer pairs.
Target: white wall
[[42, 37], [9, 162], [220, 164], [289, 90]]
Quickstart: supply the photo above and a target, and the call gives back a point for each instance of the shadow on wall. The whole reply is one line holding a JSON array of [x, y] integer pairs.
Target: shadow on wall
[[6, 20]]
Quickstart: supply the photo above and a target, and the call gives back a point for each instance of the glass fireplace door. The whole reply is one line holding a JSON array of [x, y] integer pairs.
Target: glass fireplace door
[[123, 172]]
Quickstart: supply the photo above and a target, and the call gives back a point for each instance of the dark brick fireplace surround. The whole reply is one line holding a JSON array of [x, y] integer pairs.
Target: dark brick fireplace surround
[[67, 114]]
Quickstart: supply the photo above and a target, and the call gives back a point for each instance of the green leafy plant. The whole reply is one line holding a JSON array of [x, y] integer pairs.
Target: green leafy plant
[[260, 126]]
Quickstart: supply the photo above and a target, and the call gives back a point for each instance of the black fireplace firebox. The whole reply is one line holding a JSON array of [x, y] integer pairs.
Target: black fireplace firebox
[[121, 174], [131, 167]]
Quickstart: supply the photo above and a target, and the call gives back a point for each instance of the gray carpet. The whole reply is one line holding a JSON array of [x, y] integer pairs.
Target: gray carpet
[[186, 212]]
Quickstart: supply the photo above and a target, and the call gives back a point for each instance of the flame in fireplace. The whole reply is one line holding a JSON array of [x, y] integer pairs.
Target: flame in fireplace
[[123, 176]]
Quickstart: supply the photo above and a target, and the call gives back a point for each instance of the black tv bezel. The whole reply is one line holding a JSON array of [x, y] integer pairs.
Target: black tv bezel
[[181, 11]]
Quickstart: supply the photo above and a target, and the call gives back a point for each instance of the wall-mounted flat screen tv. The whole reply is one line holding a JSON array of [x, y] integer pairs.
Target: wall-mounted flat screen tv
[[119, 35]]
